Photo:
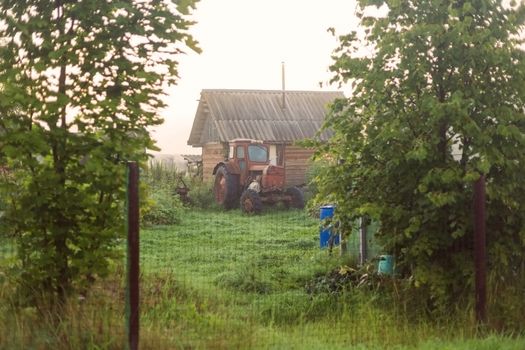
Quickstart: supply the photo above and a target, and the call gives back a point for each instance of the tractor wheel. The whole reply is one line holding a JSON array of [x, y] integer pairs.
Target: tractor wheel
[[251, 202], [297, 198], [226, 188]]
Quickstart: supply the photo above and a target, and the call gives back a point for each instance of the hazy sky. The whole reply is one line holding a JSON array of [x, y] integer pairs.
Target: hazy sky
[[244, 43]]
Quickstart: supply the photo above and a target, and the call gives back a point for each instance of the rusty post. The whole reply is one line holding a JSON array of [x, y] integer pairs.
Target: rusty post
[[132, 295], [480, 254]]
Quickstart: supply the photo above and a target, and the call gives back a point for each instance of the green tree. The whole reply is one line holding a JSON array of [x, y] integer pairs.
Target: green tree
[[437, 99], [86, 80]]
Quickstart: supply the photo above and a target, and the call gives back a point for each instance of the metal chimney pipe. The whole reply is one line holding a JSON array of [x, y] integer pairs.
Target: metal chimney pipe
[[283, 102]]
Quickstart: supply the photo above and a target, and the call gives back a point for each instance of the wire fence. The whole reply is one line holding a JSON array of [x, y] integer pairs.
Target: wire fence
[[222, 279], [228, 278]]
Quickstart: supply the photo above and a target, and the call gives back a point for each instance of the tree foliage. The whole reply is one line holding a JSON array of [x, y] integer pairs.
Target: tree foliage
[[81, 81], [437, 99]]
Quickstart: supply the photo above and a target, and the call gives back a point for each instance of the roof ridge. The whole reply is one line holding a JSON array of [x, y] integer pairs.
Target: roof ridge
[[269, 91]]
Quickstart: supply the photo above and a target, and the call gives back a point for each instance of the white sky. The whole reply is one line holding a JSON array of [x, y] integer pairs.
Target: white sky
[[244, 43]]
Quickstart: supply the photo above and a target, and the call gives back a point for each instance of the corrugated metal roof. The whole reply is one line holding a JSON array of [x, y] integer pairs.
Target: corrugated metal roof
[[258, 114]]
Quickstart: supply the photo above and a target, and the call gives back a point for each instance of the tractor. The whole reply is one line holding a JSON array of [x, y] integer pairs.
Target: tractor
[[249, 162]]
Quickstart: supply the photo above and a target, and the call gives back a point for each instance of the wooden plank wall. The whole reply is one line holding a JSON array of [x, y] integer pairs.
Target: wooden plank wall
[[296, 160], [212, 153]]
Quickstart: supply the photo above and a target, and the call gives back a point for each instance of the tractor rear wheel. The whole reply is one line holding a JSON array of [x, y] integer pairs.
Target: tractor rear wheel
[[226, 188], [296, 198], [251, 202]]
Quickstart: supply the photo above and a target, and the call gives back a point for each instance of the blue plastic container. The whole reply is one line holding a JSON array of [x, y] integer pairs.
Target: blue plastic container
[[326, 211], [386, 265]]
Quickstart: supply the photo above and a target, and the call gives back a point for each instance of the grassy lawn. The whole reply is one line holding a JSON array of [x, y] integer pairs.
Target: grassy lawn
[[225, 280], [222, 280]]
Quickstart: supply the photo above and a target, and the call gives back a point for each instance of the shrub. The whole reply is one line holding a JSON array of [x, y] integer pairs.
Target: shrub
[[201, 194], [313, 175], [162, 207], [314, 171]]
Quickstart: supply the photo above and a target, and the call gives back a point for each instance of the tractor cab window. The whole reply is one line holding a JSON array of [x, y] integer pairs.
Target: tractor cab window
[[258, 153], [240, 152], [240, 157]]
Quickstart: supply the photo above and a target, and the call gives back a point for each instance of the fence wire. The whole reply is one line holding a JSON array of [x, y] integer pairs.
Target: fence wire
[[224, 279], [221, 279]]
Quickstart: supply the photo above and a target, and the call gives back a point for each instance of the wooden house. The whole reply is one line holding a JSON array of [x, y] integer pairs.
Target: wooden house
[[276, 118]]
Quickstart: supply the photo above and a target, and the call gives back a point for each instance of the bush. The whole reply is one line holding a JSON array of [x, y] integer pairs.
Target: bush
[[201, 194], [162, 207], [162, 204], [314, 171], [313, 174]]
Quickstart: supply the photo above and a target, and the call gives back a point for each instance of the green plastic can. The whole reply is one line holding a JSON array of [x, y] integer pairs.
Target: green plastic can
[[386, 265]]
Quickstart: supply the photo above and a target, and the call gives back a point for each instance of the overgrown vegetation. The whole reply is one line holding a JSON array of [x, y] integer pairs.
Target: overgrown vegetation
[[80, 83], [224, 280], [201, 194], [166, 190], [438, 101], [160, 202], [312, 197], [161, 207]]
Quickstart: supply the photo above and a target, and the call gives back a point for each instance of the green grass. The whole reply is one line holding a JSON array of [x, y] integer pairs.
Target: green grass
[[222, 280], [238, 281]]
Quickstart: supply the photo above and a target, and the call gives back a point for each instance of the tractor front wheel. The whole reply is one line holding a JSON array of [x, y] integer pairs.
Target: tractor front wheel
[[251, 202]]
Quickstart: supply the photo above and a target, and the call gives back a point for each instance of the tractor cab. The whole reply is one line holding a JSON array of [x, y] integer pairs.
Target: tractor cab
[[253, 158]]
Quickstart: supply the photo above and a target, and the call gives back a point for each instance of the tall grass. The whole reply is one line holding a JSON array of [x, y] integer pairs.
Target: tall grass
[[222, 280], [167, 176], [160, 202], [248, 275], [92, 322]]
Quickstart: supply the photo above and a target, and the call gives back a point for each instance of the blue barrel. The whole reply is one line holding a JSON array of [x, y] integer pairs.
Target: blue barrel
[[326, 211], [386, 265]]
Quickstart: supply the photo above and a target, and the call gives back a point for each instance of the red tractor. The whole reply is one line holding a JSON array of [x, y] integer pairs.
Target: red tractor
[[249, 178]]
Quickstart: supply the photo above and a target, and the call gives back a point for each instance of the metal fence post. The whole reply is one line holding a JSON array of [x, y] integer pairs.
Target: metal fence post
[[362, 241], [132, 292], [480, 254]]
